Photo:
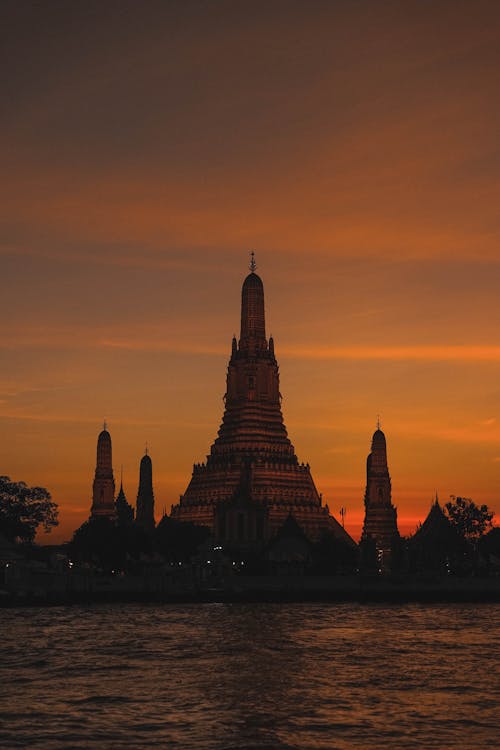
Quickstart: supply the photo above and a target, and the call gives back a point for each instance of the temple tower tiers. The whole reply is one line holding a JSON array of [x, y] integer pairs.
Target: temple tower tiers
[[103, 491], [145, 498], [253, 442], [380, 515]]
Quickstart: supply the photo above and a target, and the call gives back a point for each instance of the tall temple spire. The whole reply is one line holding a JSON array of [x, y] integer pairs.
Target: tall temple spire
[[253, 442], [145, 497], [103, 490], [380, 514], [253, 326], [252, 419]]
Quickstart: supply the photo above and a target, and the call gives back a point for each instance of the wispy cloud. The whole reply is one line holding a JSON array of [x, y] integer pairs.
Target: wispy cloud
[[77, 419], [140, 341], [416, 352], [175, 347]]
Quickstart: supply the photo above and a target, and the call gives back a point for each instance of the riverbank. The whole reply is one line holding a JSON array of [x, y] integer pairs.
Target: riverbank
[[44, 588]]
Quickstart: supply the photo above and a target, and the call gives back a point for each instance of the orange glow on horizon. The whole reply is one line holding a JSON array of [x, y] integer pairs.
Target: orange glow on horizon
[[354, 146]]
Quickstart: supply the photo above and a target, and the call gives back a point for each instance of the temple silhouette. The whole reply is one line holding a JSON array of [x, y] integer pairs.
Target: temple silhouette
[[252, 489], [252, 479], [145, 515], [380, 524], [103, 489], [104, 504]]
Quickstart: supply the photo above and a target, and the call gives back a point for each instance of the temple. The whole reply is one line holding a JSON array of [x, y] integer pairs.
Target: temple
[[145, 516], [252, 480], [380, 514], [120, 511], [436, 545], [103, 490], [124, 511]]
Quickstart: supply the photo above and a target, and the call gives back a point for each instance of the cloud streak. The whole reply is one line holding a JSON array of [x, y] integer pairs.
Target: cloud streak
[[33, 337], [444, 353]]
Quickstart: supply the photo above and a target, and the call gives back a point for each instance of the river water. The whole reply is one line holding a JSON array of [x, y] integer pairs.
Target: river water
[[227, 676]]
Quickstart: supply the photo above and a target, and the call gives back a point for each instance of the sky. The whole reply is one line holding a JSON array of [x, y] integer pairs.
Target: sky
[[146, 148]]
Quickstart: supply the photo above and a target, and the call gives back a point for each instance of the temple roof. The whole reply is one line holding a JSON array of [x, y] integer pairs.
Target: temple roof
[[436, 521], [253, 279], [123, 508], [104, 450], [253, 325], [378, 440]]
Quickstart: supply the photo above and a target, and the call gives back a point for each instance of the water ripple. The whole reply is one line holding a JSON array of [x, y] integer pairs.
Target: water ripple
[[250, 677]]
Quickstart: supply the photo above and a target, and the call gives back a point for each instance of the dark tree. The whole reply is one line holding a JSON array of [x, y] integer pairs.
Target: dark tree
[[23, 509], [491, 542], [109, 545], [489, 548], [469, 519]]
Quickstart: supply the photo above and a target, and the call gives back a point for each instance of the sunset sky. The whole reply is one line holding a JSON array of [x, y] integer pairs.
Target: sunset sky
[[146, 147]]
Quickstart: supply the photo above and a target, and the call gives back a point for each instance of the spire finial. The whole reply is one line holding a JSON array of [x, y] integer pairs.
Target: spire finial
[[121, 477], [253, 264], [105, 425], [146, 448], [378, 421]]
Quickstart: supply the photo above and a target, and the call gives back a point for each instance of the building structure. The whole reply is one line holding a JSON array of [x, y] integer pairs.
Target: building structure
[[436, 545], [103, 489], [124, 511], [252, 479], [380, 524], [104, 504], [145, 516]]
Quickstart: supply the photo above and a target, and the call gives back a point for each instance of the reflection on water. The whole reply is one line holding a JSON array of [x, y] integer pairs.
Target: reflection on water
[[221, 676]]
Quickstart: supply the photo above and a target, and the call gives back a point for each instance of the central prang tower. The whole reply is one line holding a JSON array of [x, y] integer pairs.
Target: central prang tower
[[252, 480]]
